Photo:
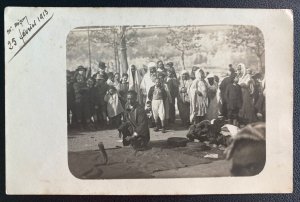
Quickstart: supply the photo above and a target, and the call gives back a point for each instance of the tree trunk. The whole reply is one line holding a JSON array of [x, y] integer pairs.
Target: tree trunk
[[182, 59], [261, 59], [118, 61], [115, 53], [123, 50]]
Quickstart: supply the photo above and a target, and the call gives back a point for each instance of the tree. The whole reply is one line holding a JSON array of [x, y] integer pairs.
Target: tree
[[117, 38], [183, 39], [108, 36], [248, 38]]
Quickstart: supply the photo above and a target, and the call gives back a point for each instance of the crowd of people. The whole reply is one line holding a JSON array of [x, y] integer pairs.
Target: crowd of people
[[97, 101]]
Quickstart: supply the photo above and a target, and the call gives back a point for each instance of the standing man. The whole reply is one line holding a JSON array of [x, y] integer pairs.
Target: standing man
[[183, 99], [134, 80], [172, 84], [70, 99], [80, 90], [101, 70], [234, 100], [135, 128], [157, 95], [198, 98], [223, 86], [100, 105], [160, 67]]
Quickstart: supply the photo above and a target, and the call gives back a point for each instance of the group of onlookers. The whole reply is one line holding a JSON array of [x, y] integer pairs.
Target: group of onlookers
[[98, 100]]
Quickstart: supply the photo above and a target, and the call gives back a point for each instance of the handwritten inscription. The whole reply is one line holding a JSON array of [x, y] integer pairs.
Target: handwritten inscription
[[24, 26], [21, 31]]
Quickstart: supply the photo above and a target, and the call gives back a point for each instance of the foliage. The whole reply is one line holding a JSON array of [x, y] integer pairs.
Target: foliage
[[201, 45], [247, 38]]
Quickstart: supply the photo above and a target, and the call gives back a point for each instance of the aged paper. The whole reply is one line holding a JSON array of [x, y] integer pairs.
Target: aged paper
[[38, 51]]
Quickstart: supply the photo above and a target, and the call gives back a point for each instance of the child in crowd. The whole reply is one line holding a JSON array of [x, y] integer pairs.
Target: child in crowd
[[117, 81], [114, 107], [157, 95], [233, 96], [149, 113], [110, 80]]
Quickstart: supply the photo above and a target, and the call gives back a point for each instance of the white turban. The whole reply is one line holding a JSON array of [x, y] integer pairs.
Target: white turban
[[151, 64], [184, 72]]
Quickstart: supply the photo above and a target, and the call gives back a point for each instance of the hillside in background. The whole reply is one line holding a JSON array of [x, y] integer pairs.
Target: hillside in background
[[212, 48]]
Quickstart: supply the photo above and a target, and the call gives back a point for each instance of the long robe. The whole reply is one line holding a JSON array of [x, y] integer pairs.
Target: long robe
[[183, 100], [173, 87], [114, 106], [247, 111], [212, 110], [134, 83], [146, 84], [198, 103], [167, 101]]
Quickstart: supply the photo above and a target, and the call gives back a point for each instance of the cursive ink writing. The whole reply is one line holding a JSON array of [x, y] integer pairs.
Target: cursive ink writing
[[24, 29], [27, 30]]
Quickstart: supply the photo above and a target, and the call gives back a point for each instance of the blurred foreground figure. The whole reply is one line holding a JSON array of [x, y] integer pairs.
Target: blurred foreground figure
[[248, 150]]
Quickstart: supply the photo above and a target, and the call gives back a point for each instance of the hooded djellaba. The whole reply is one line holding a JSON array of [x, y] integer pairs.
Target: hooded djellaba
[[247, 111], [148, 80], [212, 87], [134, 80], [183, 98]]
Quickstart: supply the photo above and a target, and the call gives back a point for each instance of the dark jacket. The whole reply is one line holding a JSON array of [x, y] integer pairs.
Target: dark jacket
[[100, 92], [70, 95], [137, 119], [151, 91], [233, 96], [80, 90], [173, 87], [223, 86]]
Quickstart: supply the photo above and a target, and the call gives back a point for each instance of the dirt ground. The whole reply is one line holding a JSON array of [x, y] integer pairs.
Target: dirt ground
[[197, 166]]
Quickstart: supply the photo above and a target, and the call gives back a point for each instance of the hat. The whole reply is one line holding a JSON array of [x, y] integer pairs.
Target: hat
[[80, 68], [170, 64], [102, 65]]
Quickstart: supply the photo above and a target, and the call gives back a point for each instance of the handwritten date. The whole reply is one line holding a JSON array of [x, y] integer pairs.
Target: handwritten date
[[24, 27]]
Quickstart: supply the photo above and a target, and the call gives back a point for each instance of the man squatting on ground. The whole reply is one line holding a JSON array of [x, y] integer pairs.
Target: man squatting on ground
[[134, 128]]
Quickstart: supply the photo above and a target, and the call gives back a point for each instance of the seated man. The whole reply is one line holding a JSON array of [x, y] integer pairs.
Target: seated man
[[135, 124]]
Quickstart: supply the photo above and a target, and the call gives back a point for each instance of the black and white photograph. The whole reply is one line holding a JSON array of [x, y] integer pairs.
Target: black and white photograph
[[165, 101], [148, 101]]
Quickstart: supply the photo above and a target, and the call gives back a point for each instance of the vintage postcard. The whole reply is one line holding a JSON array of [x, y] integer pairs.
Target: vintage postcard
[[143, 101]]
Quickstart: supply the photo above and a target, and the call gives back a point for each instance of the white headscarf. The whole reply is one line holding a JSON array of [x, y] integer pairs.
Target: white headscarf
[[147, 81], [134, 85], [243, 69], [245, 77], [198, 74]]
